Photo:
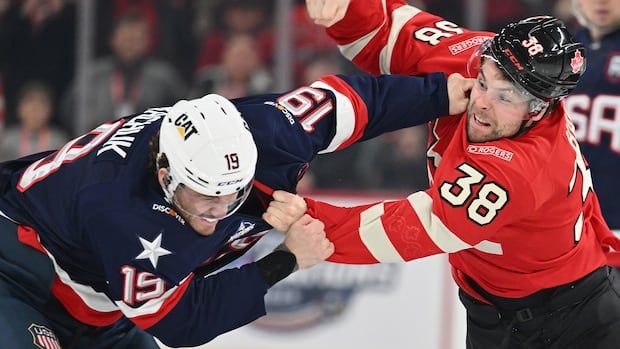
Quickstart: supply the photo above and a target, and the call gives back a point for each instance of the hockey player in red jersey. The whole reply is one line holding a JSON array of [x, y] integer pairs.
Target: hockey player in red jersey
[[511, 197]]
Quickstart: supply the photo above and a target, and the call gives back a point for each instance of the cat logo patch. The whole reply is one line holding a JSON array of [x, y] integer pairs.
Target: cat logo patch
[[43, 337]]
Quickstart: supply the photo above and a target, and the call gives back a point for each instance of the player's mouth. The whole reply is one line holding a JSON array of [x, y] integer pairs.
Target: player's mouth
[[479, 122]]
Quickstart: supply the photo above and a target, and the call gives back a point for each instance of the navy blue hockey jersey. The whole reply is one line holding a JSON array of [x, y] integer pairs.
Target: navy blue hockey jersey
[[119, 249], [594, 107]]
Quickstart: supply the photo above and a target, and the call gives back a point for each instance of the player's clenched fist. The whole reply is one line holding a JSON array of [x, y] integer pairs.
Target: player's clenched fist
[[285, 209], [327, 12], [306, 240], [459, 89]]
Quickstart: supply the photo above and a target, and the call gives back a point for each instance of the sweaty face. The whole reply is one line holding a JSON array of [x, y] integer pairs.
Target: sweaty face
[[603, 15], [496, 108]]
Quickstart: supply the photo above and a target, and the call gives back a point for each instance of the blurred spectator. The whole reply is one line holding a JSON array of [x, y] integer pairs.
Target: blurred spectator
[[241, 72], [310, 43], [237, 17], [563, 9], [37, 42], [34, 133], [319, 67], [130, 80], [171, 35]]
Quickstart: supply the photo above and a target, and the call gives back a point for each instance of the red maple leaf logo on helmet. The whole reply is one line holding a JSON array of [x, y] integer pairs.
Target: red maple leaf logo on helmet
[[576, 62]]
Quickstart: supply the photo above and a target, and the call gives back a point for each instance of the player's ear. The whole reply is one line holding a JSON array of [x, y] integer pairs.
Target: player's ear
[[163, 177]]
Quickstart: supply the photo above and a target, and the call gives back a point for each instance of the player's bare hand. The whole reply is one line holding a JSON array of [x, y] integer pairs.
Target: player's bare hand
[[327, 12], [285, 209], [459, 89], [306, 240]]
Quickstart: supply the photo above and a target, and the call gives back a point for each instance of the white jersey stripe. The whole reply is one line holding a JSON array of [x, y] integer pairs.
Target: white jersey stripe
[[374, 236], [445, 239], [350, 51], [162, 345], [7, 217], [579, 227], [345, 118], [150, 307], [400, 17], [489, 247], [95, 300], [353, 49]]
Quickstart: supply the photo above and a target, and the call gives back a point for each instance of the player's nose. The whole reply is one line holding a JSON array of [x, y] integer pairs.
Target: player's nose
[[481, 100]]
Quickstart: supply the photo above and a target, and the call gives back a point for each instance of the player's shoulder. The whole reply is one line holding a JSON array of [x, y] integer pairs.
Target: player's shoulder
[[273, 126]]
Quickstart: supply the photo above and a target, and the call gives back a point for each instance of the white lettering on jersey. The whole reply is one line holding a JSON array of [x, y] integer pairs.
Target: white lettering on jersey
[[169, 211], [433, 35], [613, 68], [122, 139], [70, 152], [140, 286], [306, 103], [434, 158], [580, 165], [589, 117], [491, 198]]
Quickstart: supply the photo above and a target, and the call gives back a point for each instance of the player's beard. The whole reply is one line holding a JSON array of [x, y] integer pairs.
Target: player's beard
[[482, 127]]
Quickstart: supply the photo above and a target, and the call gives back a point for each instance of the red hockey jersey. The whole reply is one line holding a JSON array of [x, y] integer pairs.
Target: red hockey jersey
[[516, 215]]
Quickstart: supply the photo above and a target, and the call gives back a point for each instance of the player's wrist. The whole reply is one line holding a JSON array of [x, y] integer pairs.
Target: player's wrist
[[277, 265]]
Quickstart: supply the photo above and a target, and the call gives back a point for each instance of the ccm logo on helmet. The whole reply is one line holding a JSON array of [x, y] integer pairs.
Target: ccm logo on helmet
[[513, 59], [221, 184], [185, 126]]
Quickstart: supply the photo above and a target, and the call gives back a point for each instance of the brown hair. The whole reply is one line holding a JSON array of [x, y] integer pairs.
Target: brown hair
[[154, 163]]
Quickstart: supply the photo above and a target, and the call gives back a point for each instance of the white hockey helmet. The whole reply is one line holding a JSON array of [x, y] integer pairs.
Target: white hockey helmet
[[211, 153]]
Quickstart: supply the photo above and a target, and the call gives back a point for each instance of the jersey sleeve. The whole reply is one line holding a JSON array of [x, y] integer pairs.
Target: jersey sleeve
[[467, 209], [290, 129], [391, 37]]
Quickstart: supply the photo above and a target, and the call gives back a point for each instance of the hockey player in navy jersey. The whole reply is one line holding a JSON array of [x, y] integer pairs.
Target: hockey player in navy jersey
[[131, 219], [594, 105]]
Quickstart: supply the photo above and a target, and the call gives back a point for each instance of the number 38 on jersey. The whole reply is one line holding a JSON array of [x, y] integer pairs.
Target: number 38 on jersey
[[489, 198]]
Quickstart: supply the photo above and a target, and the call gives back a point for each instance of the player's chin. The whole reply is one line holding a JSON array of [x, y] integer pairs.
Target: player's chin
[[202, 226]]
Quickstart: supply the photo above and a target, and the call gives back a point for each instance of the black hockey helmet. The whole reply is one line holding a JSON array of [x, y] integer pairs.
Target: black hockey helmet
[[541, 55]]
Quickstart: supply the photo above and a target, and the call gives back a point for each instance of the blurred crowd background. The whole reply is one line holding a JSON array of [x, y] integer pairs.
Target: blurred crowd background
[[68, 65]]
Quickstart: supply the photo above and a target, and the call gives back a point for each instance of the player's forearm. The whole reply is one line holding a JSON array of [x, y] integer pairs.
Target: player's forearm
[[385, 232], [398, 101]]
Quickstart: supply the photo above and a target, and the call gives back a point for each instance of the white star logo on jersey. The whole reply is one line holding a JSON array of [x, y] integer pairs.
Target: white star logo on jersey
[[152, 250]]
